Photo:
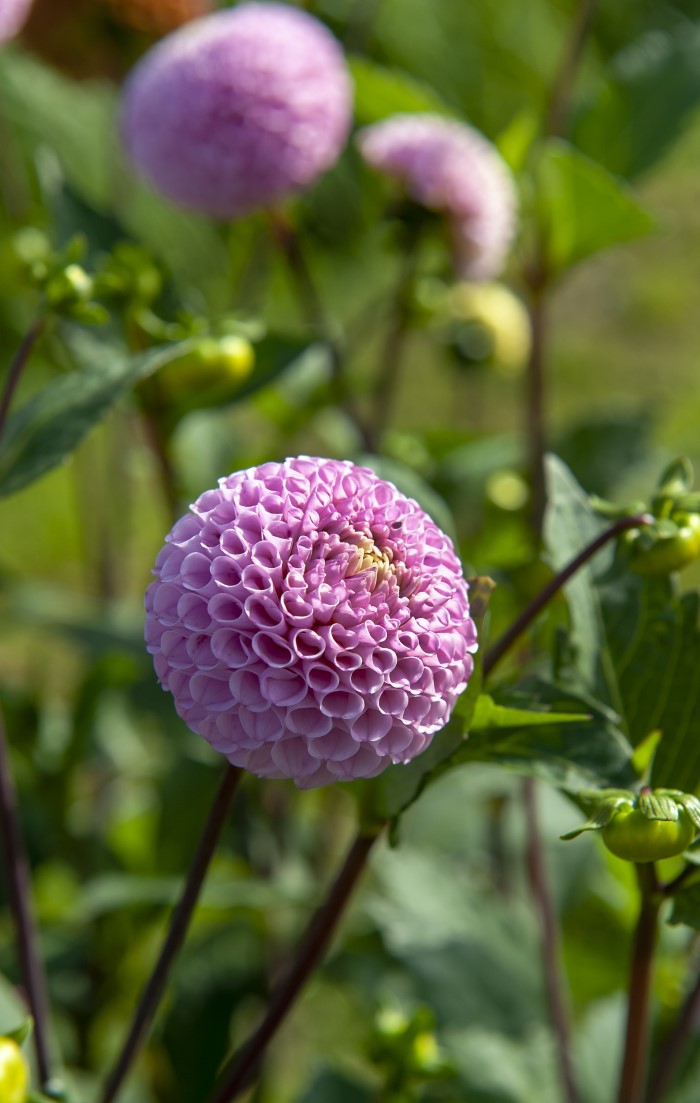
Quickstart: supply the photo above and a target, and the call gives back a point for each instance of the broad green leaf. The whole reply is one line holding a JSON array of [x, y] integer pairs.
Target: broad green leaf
[[44, 432], [582, 209], [329, 1085], [488, 716], [12, 1011], [649, 97], [570, 524], [578, 752], [380, 92], [686, 906]]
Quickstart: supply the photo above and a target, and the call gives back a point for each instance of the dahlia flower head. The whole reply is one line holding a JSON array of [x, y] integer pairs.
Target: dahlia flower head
[[13, 15], [310, 621], [239, 109], [449, 167]]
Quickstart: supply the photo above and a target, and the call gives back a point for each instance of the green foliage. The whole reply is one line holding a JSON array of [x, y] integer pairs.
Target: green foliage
[[380, 92], [628, 125], [581, 207]]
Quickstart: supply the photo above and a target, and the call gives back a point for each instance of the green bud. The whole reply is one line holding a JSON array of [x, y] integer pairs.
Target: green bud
[[14, 1072], [646, 827], [70, 285]]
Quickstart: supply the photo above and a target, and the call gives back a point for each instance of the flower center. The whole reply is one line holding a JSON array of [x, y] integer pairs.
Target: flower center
[[369, 557]]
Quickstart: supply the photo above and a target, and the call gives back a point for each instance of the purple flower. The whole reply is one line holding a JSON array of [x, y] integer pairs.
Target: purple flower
[[310, 621], [239, 109], [13, 14], [450, 167]]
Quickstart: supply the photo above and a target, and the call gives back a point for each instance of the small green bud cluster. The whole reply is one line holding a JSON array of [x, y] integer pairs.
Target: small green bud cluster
[[405, 1049], [643, 827], [68, 288], [671, 540]]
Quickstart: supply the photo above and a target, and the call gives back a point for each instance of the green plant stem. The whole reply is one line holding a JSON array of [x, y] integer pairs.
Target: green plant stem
[[541, 600], [549, 933], [634, 1063], [673, 1045], [18, 881], [179, 923], [17, 367], [394, 347], [312, 947], [556, 119]]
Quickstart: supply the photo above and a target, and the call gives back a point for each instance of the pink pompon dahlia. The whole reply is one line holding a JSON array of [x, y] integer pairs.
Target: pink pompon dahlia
[[13, 15], [310, 621], [238, 109], [450, 167]]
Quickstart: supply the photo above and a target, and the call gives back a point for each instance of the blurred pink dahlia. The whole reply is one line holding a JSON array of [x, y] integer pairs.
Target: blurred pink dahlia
[[450, 167], [238, 109], [310, 621], [13, 14]]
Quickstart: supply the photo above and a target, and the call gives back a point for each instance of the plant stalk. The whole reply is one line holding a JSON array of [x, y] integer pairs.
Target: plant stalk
[[549, 930], [179, 923], [634, 1064], [673, 1045], [312, 947], [16, 867], [538, 603], [17, 367]]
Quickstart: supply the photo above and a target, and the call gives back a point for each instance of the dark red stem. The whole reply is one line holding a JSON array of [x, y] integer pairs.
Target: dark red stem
[[634, 1063], [17, 367], [309, 955], [18, 880], [179, 923]]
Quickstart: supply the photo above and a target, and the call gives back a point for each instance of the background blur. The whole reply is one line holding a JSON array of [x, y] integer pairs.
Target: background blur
[[113, 786]]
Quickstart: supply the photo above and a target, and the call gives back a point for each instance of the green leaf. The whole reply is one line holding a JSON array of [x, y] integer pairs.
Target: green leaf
[[582, 751], [20, 1033], [686, 906], [44, 432], [489, 715], [649, 97], [582, 209], [657, 806], [601, 818], [380, 92], [12, 1010]]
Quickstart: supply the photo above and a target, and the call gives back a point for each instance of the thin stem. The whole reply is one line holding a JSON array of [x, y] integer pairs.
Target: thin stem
[[560, 97], [529, 614], [389, 369], [535, 405], [19, 895], [634, 1064], [309, 954], [179, 922], [17, 367], [542, 897], [673, 1046]]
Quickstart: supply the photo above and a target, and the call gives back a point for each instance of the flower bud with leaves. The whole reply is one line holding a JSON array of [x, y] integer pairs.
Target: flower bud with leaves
[[654, 824]]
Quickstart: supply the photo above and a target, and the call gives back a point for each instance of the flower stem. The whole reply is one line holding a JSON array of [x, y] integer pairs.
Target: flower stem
[[549, 930], [179, 922], [673, 1046], [309, 954], [531, 611], [389, 370], [560, 96], [634, 1064], [19, 895], [17, 367]]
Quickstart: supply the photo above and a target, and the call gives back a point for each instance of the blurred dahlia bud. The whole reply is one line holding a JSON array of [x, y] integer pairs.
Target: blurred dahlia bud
[[498, 322], [450, 167], [13, 13], [239, 109], [310, 621], [157, 16]]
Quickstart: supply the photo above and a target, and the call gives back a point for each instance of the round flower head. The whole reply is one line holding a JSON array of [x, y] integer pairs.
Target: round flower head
[[238, 109], [13, 14], [310, 621], [450, 167]]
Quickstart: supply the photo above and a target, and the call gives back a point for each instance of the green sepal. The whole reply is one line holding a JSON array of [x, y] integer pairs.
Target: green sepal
[[687, 801], [605, 813], [658, 805], [677, 478], [21, 1032], [613, 511]]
